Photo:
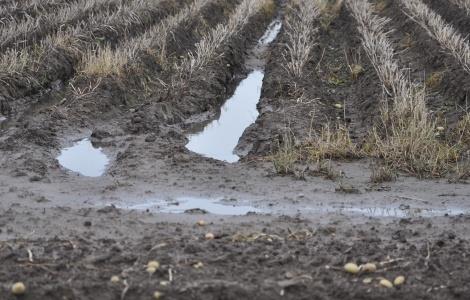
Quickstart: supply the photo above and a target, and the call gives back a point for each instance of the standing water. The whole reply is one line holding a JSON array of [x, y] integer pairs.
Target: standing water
[[220, 137], [83, 158]]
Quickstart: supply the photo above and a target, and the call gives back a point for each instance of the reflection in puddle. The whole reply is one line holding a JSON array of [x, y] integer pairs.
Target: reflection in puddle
[[83, 158], [220, 207], [183, 204], [272, 32], [381, 212], [220, 137]]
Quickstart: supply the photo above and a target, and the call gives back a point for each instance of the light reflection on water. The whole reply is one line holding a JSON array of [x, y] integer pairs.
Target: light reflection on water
[[220, 137], [83, 158], [184, 204]]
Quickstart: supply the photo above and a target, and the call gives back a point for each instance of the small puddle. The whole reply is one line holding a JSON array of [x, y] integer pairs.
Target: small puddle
[[188, 204], [83, 158], [220, 137]]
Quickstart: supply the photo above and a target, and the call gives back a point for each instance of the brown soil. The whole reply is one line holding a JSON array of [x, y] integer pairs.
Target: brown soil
[[65, 235]]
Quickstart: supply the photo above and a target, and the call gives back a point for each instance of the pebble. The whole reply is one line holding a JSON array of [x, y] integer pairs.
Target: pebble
[[351, 268], [18, 288], [386, 283], [399, 280]]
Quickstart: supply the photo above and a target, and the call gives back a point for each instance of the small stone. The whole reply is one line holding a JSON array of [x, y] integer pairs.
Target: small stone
[[115, 279], [157, 295], [440, 128], [338, 105], [209, 236], [198, 265], [164, 283], [151, 270], [18, 288], [367, 280], [201, 223], [399, 280], [153, 264], [369, 267], [386, 283], [351, 268]]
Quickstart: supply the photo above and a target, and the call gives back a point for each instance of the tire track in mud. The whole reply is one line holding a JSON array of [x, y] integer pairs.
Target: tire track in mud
[[103, 108], [447, 83], [303, 106], [180, 111]]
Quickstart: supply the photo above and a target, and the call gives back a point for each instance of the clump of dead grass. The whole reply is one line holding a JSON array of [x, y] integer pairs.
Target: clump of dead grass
[[300, 33], [382, 173], [406, 138], [329, 11], [332, 142], [286, 155], [444, 33], [462, 131], [463, 4]]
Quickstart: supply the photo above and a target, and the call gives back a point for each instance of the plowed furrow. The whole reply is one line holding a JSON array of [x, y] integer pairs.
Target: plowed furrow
[[446, 81]]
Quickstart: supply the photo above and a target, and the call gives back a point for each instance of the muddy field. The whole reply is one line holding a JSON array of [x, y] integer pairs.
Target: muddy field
[[102, 100]]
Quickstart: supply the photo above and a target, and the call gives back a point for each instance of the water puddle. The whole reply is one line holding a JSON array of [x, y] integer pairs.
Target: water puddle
[[271, 33], [83, 158], [195, 204], [221, 206], [383, 212], [220, 137]]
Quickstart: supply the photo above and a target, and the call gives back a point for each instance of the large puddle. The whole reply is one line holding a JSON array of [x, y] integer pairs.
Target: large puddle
[[220, 137], [84, 159], [221, 206], [194, 204]]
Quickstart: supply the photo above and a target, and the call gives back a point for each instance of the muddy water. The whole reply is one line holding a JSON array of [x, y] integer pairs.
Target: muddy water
[[221, 206], [84, 159], [187, 204], [220, 137], [387, 211]]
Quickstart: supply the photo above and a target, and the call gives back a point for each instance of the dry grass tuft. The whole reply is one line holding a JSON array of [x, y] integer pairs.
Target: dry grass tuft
[[300, 33], [406, 138], [208, 46], [434, 80], [382, 173], [463, 4], [445, 34], [105, 61], [332, 143], [286, 155], [462, 131]]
